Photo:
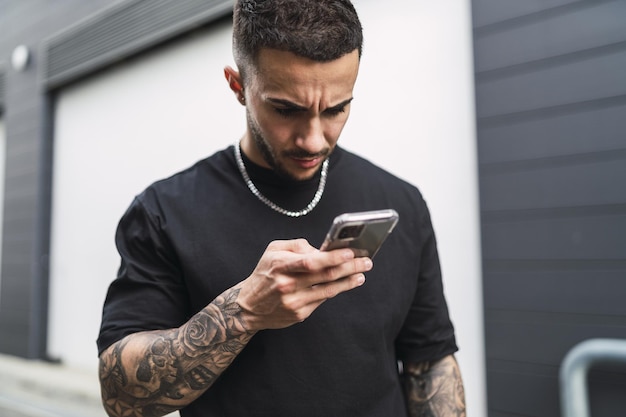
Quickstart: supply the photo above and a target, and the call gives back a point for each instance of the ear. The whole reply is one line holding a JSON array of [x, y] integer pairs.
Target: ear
[[234, 82], [234, 79]]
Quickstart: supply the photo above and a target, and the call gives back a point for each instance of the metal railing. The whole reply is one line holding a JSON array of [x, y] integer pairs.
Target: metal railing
[[575, 367]]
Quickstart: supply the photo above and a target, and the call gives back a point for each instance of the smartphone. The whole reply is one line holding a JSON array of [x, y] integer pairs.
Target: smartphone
[[363, 232]]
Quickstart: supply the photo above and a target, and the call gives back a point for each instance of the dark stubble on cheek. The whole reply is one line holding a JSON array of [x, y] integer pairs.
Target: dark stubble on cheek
[[260, 143], [270, 157]]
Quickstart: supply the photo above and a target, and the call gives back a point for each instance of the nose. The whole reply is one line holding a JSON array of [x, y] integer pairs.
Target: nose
[[311, 137]]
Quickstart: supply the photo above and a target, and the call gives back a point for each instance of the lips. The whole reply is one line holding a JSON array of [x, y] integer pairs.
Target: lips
[[307, 163]]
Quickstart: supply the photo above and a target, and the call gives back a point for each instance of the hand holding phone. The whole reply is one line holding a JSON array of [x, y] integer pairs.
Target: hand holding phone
[[363, 232]]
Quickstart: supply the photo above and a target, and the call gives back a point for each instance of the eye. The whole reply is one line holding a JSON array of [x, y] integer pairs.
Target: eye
[[285, 111], [335, 111]]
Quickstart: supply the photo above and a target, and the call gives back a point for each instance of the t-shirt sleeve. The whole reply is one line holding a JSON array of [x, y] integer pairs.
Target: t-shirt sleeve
[[148, 293], [428, 333]]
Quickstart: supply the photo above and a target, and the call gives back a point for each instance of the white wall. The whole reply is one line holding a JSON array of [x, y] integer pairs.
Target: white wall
[[413, 114], [115, 133]]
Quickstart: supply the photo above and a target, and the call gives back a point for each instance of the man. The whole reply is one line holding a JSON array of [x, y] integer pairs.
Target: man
[[223, 306]]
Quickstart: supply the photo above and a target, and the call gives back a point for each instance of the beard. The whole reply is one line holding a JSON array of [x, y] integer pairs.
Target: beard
[[273, 160]]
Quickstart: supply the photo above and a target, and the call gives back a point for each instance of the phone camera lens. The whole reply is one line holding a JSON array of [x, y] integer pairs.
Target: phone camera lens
[[351, 232]]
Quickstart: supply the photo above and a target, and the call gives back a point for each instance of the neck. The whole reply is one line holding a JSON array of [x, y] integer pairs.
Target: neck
[[274, 195], [252, 152]]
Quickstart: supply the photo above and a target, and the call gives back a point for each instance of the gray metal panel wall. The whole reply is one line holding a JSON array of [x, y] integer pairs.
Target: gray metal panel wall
[[23, 295], [121, 31], [2, 85], [551, 116]]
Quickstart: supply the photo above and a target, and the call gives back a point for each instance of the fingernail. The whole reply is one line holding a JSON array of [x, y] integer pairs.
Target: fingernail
[[361, 280], [368, 264]]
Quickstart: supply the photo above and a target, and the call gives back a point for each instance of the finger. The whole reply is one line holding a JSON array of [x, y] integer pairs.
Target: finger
[[331, 289], [308, 301], [300, 246], [317, 261], [353, 267]]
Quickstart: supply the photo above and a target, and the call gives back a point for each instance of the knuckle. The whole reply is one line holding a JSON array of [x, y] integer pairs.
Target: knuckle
[[291, 306], [330, 292], [306, 264], [274, 265], [301, 243], [328, 274], [285, 286], [301, 316], [274, 245]]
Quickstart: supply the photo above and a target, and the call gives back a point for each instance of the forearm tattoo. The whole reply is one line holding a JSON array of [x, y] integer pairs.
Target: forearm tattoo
[[156, 373], [434, 389]]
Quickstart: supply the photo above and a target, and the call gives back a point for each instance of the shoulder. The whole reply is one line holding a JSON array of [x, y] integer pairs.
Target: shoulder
[[353, 167], [357, 184], [188, 186]]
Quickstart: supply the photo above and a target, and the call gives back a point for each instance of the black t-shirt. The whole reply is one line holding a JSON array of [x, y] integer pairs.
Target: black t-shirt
[[186, 239]]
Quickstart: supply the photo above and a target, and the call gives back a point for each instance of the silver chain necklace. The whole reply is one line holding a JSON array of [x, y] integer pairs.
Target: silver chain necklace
[[316, 198]]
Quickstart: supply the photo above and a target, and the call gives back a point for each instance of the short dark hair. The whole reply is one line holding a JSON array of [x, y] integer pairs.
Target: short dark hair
[[321, 30]]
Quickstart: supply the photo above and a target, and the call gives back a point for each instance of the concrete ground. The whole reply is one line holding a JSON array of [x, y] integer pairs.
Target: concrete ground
[[39, 389], [31, 388]]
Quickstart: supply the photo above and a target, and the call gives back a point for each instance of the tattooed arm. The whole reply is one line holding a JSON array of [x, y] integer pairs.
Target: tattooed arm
[[150, 374], [434, 389], [155, 373]]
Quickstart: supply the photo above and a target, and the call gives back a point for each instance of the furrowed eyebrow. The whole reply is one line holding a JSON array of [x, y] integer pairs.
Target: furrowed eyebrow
[[340, 105], [290, 105], [286, 103]]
